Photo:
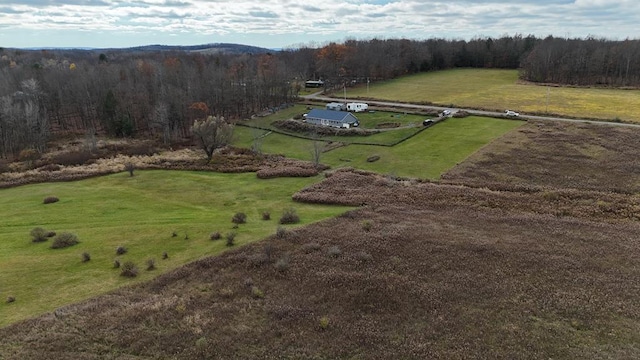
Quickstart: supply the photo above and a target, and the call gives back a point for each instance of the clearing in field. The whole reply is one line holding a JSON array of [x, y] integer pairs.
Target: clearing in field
[[493, 89], [148, 214]]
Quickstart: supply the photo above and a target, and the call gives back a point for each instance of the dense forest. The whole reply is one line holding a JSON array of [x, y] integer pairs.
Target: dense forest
[[160, 91]]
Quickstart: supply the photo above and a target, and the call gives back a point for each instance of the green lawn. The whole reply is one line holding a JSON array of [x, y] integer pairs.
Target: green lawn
[[140, 213], [495, 89], [426, 155]]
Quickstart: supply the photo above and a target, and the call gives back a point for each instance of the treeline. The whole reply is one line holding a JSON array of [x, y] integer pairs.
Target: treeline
[[584, 62], [123, 93], [160, 93]]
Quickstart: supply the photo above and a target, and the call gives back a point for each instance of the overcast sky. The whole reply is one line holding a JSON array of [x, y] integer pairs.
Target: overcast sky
[[284, 23]]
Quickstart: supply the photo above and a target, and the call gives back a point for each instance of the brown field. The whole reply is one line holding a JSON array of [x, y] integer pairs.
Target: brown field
[[526, 251]]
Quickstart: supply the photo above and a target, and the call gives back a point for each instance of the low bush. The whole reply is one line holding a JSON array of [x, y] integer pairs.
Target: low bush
[[323, 322], [129, 269], [334, 251], [116, 263], [282, 264], [289, 217], [165, 255], [366, 225], [239, 218], [78, 157], [10, 299], [256, 293], [50, 167], [310, 247], [51, 234], [64, 240], [373, 158], [281, 232], [86, 257], [50, 200], [215, 236], [121, 250], [231, 238], [151, 264], [266, 215], [39, 234]]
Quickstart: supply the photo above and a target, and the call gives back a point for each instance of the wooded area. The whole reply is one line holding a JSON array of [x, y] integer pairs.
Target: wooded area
[[159, 93]]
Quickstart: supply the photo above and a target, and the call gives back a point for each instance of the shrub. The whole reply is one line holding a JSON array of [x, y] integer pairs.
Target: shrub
[[282, 264], [10, 299], [165, 255], [289, 217], [334, 251], [51, 234], [85, 257], [363, 256], [116, 263], [281, 232], [121, 250], [50, 200], [129, 167], [239, 218], [129, 269], [50, 167], [324, 322], [39, 234], [230, 238], [256, 293], [64, 240], [151, 264], [266, 215], [174, 234], [79, 157], [215, 235], [310, 247]]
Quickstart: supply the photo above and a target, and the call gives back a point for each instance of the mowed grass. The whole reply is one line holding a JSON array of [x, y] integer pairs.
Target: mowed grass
[[140, 213], [426, 155], [495, 89]]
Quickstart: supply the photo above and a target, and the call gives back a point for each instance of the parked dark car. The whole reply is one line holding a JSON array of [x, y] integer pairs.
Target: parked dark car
[[427, 122]]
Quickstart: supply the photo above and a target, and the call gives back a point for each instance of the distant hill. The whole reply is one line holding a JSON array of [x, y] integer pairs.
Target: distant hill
[[225, 48], [218, 48]]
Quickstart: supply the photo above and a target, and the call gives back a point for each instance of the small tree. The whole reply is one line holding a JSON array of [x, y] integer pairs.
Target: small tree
[[212, 133]]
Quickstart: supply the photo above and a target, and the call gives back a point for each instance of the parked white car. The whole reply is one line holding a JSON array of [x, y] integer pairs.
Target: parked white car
[[511, 113], [446, 113]]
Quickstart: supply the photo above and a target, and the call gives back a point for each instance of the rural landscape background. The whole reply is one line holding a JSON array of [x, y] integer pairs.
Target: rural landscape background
[[199, 216]]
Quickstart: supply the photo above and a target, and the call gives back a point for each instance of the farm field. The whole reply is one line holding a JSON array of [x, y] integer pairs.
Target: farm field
[[426, 155], [498, 90], [424, 271], [140, 213]]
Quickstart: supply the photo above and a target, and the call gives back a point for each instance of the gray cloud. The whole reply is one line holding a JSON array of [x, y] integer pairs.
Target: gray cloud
[[314, 20]]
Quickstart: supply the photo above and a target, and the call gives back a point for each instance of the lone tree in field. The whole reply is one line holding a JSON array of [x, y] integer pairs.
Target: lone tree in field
[[212, 133]]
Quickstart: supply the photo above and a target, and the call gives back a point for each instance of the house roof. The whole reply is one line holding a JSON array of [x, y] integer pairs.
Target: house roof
[[343, 116]]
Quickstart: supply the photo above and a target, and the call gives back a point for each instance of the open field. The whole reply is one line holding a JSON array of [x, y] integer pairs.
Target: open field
[[140, 213], [560, 155], [493, 89], [426, 155], [424, 271]]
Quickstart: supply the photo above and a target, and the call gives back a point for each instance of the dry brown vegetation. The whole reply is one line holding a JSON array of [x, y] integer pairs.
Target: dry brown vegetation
[[580, 156], [536, 268]]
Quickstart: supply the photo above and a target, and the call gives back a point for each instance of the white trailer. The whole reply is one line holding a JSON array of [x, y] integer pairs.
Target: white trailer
[[357, 107]]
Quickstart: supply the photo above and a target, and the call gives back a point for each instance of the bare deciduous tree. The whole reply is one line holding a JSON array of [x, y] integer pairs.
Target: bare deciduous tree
[[212, 133]]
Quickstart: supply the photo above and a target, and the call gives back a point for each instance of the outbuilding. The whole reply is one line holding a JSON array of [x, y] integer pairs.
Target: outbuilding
[[339, 119]]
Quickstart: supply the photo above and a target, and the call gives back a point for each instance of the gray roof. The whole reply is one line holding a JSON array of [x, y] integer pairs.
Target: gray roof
[[343, 116]]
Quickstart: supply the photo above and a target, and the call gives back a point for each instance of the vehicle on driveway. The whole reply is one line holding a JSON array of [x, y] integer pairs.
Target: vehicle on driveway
[[445, 113], [428, 122], [511, 113]]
